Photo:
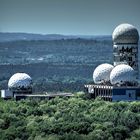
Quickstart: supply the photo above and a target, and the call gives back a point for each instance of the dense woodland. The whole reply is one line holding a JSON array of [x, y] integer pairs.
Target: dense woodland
[[54, 65], [64, 51], [76, 118]]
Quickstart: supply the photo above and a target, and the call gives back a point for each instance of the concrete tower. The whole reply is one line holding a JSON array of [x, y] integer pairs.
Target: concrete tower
[[125, 46]]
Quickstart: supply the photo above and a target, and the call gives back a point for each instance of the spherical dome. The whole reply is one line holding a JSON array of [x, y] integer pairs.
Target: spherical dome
[[122, 74], [20, 80], [125, 34], [102, 72]]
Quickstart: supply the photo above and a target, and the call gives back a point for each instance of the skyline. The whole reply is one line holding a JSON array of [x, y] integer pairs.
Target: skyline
[[67, 17]]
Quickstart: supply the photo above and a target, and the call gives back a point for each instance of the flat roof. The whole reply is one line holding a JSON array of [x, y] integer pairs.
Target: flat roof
[[44, 95], [113, 87]]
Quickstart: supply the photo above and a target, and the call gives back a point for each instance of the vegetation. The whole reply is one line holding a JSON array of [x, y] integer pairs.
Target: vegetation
[[76, 118], [63, 64]]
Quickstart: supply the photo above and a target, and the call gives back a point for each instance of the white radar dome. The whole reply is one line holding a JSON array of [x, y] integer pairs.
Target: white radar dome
[[20, 80], [102, 73], [122, 74], [125, 34]]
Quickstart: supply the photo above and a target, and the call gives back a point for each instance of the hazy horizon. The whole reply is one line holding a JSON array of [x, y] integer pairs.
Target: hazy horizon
[[56, 34], [67, 17]]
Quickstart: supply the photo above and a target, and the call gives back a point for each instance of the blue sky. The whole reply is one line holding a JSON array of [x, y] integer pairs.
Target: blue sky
[[69, 17]]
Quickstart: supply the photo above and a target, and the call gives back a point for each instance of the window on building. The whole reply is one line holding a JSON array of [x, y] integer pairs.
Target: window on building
[[130, 50], [130, 58]]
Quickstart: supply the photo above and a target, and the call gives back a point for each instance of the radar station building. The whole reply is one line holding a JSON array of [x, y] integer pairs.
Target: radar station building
[[119, 81], [20, 87], [18, 84]]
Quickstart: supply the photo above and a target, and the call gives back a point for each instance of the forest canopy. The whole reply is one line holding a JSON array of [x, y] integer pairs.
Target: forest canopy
[[69, 119]]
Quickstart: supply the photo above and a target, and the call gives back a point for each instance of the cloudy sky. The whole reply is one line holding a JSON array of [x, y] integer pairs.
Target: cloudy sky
[[69, 17]]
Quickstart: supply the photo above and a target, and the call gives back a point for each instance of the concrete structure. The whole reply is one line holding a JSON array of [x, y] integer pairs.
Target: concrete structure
[[111, 93], [6, 94], [19, 83], [20, 87], [41, 96], [120, 82], [125, 46]]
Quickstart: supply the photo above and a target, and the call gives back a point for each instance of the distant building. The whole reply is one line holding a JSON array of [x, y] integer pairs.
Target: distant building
[[19, 83], [125, 46], [119, 82], [41, 96], [20, 87], [113, 93], [6, 94]]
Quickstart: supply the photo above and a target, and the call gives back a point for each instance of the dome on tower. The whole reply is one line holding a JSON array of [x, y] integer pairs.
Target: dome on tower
[[122, 74], [101, 73], [125, 34], [20, 81]]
